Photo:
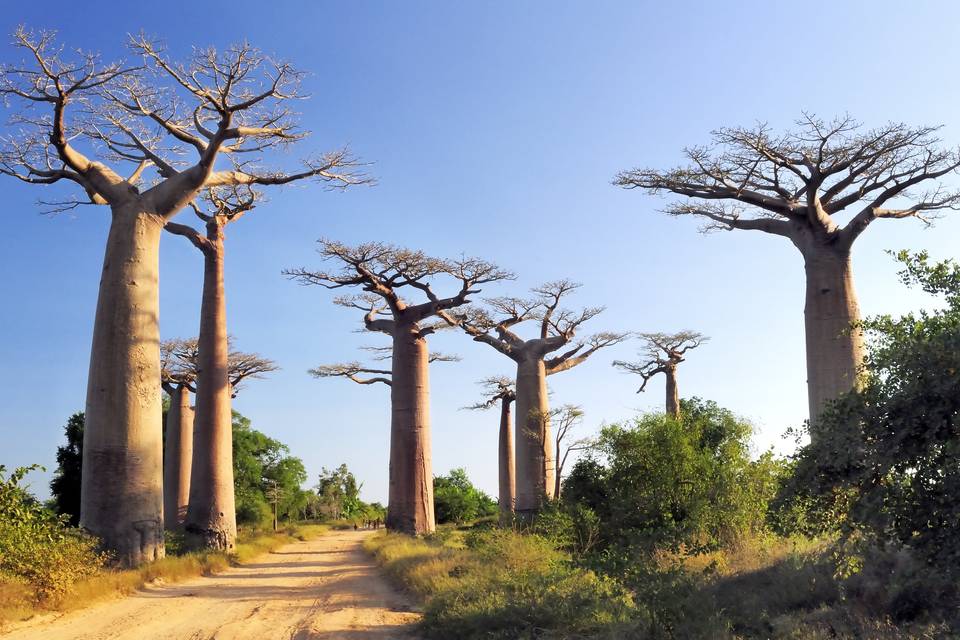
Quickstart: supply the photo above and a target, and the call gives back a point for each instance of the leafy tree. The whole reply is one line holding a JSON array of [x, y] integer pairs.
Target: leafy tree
[[65, 485], [684, 484], [457, 500], [261, 463], [886, 463], [339, 493]]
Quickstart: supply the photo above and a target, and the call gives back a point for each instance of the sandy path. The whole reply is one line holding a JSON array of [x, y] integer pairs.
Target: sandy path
[[326, 588]]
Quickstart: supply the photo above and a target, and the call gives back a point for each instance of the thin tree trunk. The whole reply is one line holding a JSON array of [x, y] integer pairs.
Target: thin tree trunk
[[507, 482], [122, 482], [535, 464], [211, 516], [833, 351], [410, 507], [177, 459], [673, 396]]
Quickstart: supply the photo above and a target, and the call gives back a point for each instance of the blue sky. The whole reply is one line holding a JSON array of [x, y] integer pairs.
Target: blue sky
[[495, 130]]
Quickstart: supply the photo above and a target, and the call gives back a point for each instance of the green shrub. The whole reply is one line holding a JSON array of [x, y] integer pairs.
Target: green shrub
[[37, 546], [884, 465], [685, 484]]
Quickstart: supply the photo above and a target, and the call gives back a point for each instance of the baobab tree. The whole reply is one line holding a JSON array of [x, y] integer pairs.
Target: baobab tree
[[179, 372], [798, 185], [383, 272], [501, 390], [567, 418], [495, 325], [178, 375], [211, 517], [225, 108], [663, 353]]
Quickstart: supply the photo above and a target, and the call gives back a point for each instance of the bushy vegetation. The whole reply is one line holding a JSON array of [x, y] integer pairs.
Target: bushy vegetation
[[500, 584], [688, 484], [37, 546], [455, 499], [264, 472], [883, 466]]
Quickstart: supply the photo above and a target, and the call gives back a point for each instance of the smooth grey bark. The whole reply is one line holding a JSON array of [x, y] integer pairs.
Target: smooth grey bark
[[506, 462], [177, 458], [121, 496], [834, 347], [410, 506], [535, 463], [211, 516]]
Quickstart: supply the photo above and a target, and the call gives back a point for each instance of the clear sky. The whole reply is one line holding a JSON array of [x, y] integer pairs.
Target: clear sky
[[495, 130]]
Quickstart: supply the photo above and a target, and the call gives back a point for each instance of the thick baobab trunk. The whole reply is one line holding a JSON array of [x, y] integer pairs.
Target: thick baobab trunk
[[410, 507], [834, 351], [673, 396], [211, 517], [535, 463], [121, 496], [507, 482], [177, 459]]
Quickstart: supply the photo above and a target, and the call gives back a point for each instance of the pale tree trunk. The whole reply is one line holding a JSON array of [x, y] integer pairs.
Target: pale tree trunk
[[535, 464], [673, 396], [507, 482], [410, 507], [121, 487], [833, 351], [211, 517], [178, 458]]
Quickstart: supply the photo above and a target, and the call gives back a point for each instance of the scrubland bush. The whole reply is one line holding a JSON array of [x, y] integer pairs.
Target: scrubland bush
[[37, 546], [501, 584]]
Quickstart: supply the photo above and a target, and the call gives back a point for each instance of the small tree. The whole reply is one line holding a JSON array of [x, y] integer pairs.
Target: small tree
[[663, 353], [495, 325], [384, 272], [457, 500], [75, 115], [501, 389], [797, 185], [567, 418]]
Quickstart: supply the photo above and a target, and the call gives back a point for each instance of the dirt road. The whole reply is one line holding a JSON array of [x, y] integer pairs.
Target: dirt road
[[324, 589]]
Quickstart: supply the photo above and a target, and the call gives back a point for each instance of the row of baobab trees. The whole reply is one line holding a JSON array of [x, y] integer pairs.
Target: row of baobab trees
[[194, 134], [398, 296]]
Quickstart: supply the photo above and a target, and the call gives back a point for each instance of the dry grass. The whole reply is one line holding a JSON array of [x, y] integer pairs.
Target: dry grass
[[501, 584], [16, 602]]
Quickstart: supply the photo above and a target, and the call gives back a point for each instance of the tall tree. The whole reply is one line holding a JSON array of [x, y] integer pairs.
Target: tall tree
[[384, 272], [220, 106], [663, 353], [65, 486], [797, 185], [495, 326], [501, 389], [210, 519], [194, 457]]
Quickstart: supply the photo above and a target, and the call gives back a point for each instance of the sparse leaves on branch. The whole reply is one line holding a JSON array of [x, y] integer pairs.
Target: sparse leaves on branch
[[799, 181]]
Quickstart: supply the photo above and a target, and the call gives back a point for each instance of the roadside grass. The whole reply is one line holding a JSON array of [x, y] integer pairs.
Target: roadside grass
[[18, 603], [500, 584]]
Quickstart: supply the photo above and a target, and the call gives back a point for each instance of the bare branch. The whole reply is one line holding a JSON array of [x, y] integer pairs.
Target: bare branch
[[661, 353], [798, 182]]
